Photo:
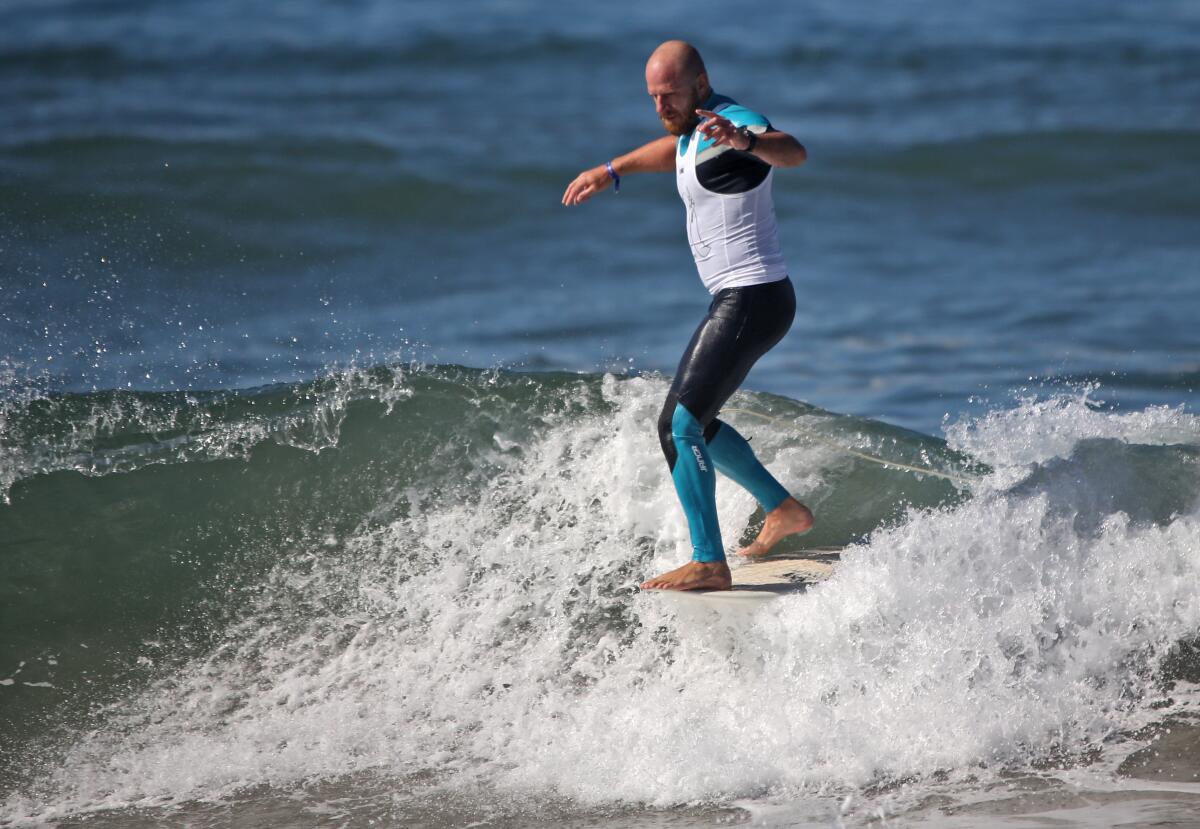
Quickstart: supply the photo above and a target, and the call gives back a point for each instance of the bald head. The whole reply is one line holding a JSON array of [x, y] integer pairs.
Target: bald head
[[675, 58], [678, 82]]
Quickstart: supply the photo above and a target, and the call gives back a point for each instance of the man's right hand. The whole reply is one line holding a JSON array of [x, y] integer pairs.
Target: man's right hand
[[587, 184]]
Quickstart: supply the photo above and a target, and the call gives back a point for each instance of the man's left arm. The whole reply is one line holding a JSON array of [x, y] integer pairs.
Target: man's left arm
[[774, 147]]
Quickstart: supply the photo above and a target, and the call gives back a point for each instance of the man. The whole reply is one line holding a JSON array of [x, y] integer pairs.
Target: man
[[723, 155]]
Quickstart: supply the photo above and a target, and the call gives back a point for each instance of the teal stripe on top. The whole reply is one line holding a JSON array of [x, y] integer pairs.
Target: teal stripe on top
[[731, 109]]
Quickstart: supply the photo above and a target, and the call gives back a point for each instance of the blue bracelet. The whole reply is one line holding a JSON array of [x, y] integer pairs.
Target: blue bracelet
[[616, 178]]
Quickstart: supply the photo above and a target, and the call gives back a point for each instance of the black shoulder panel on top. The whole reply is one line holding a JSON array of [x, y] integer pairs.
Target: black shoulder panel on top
[[732, 172]]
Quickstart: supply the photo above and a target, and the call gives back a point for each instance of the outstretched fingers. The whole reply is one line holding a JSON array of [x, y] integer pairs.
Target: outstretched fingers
[[575, 192], [585, 185], [717, 127]]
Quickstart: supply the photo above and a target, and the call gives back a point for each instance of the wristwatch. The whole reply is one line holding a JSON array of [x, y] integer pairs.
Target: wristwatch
[[750, 136]]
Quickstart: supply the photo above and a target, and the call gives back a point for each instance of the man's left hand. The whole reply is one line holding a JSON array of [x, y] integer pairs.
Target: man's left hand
[[721, 130]]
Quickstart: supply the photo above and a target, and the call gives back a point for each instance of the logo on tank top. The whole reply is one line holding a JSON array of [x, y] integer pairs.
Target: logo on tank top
[[699, 458]]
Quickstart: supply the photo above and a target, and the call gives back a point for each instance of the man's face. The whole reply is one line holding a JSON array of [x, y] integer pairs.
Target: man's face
[[675, 100]]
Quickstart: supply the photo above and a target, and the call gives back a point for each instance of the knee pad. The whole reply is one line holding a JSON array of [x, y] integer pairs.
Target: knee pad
[[685, 427]]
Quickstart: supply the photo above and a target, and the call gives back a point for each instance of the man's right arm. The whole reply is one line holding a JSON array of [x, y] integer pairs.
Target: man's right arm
[[656, 157]]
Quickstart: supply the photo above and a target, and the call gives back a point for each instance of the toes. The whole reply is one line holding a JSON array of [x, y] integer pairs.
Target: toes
[[752, 550]]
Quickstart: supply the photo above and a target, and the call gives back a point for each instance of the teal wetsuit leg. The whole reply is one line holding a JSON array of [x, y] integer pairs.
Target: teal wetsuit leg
[[735, 459], [696, 485]]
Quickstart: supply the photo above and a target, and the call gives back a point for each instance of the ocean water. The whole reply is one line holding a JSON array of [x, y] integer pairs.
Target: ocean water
[[327, 459]]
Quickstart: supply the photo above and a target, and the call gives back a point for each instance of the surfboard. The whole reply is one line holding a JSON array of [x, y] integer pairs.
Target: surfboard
[[755, 582]]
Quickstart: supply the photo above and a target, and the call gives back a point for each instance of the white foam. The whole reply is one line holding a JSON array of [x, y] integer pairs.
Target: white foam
[[1036, 430], [500, 642]]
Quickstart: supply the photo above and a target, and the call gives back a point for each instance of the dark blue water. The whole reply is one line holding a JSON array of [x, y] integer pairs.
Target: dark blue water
[[325, 430], [211, 195]]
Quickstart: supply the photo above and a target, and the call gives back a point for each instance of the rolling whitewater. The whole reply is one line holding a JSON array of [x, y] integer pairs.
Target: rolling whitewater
[[301, 599]]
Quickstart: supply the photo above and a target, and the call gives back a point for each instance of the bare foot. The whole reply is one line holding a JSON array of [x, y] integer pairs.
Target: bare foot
[[695, 575], [788, 518]]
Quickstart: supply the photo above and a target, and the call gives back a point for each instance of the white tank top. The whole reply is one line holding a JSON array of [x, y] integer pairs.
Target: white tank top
[[730, 213]]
